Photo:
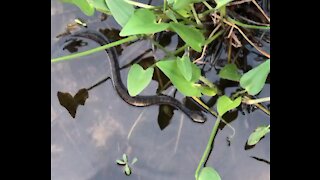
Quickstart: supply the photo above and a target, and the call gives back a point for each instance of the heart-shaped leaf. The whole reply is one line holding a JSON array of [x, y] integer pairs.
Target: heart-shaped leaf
[[85, 7], [71, 103], [120, 10], [253, 80], [187, 88], [230, 72], [138, 79], [143, 21], [192, 36], [184, 65], [258, 133], [208, 173], [225, 104]]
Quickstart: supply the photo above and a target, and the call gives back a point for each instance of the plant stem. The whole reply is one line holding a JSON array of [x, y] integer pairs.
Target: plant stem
[[255, 101], [247, 25], [207, 5], [195, 15], [180, 49], [260, 9], [263, 108], [208, 41], [208, 148], [209, 83], [139, 4], [215, 114], [160, 46], [88, 52], [164, 5]]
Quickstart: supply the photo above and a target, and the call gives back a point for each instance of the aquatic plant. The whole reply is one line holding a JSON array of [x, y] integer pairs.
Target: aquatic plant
[[188, 19]]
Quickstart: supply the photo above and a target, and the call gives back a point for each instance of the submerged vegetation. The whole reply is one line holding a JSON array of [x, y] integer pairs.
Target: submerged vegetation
[[200, 25]]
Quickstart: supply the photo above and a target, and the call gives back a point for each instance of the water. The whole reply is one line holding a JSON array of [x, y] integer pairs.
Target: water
[[85, 148]]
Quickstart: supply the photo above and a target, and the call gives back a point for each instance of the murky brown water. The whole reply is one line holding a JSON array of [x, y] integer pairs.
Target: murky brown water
[[85, 148]]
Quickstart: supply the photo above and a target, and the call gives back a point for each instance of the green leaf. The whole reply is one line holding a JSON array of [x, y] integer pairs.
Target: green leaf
[[120, 10], [180, 4], [143, 21], [120, 162], [208, 90], [127, 170], [221, 3], [184, 65], [192, 36], [187, 88], [84, 6], [225, 104], [134, 160], [171, 15], [208, 173], [125, 158], [138, 79], [186, 12], [100, 5], [253, 80], [258, 133], [230, 72]]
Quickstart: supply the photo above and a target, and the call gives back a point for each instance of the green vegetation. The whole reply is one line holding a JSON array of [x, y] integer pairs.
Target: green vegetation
[[143, 21], [126, 165]]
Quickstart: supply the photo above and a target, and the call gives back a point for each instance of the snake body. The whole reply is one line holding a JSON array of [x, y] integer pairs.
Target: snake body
[[139, 101]]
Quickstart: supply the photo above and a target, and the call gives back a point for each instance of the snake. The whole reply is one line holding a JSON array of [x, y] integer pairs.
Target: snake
[[122, 91]]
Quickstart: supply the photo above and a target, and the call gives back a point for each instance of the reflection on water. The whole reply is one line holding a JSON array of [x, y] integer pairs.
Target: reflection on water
[[86, 147]]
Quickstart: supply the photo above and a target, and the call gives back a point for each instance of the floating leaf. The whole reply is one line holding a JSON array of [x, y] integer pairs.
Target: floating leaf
[[127, 170], [125, 158], [258, 133], [230, 72], [120, 10], [208, 173], [143, 21], [81, 96], [221, 3], [134, 160], [120, 162], [225, 104], [100, 5], [192, 36], [84, 6], [208, 90], [138, 79], [184, 65], [187, 88], [253, 80], [71, 103]]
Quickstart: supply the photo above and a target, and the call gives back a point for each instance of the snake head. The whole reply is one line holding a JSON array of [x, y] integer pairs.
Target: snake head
[[198, 117]]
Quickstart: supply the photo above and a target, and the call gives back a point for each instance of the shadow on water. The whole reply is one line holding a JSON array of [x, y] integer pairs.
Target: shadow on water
[[167, 144]]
